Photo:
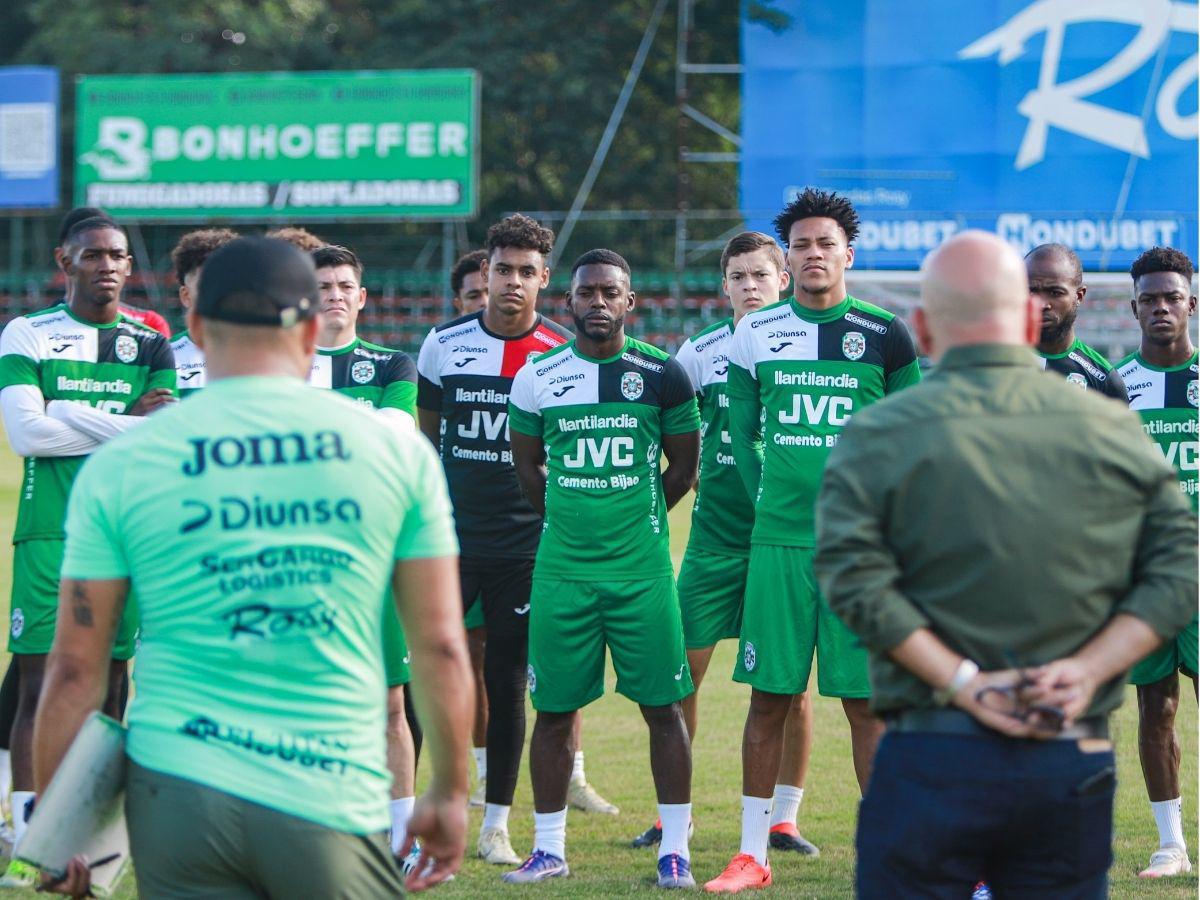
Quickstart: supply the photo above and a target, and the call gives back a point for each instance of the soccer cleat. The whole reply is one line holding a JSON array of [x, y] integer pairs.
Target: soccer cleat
[[786, 836], [479, 795], [496, 848], [538, 867], [742, 874], [981, 892], [1167, 861], [409, 862], [674, 872], [582, 796], [651, 837], [19, 875]]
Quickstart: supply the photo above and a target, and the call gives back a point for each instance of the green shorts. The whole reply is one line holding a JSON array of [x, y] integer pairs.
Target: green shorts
[[785, 621], [395, 646], [474, 616], [34, 607], [571, 622], [1178, 655], [711, 590]]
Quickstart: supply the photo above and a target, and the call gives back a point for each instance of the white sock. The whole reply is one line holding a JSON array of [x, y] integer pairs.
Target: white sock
[[756, 826], [495, 816], [5, 773], [19, 800], [480, 754], [401, 812], [550, 833], [577, 767], [787, 804], [1169, 816], [675, 818]]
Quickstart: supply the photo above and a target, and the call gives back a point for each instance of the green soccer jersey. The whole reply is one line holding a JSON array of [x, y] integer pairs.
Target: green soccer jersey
[[1167, 399], [802, 374], [373, 375], [602, 422], [259, 523], [723, 515], [105, 366]]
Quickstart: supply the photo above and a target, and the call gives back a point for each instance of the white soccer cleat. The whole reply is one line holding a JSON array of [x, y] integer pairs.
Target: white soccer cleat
[[582, 796], [1166, 862], [495, 848], [479, 795]]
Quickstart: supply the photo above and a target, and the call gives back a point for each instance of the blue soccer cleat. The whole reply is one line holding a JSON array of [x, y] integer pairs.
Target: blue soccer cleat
[[538, 867], [675, 872]]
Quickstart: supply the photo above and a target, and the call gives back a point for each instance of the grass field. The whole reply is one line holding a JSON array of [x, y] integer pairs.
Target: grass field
[[617, 758]]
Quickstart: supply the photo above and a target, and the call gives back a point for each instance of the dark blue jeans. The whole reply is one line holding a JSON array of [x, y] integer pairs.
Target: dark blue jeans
[[943, 812]]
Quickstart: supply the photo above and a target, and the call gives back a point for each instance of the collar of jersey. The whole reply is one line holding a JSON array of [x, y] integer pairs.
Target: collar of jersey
[[508, 337], [1183, 365], [575, 349], [338, 351], [67, 309], [819, 316], [1075, 345]]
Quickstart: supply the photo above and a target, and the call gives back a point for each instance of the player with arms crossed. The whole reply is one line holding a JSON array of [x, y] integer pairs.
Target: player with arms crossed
[[71, 377], [1056, 283], [188, 258], [590, 421], [798, 371], [1164, 389]]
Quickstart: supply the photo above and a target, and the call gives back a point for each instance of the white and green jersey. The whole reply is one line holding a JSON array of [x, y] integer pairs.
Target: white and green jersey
[[259, 523], [1086, 368], [104, 366], [602, 422], [1166, 400], [190, 370], [375, 376], [803, 373], [723, 515]]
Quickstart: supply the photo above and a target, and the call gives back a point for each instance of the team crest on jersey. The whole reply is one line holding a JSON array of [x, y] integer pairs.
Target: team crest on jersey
[[632, 385], [854, 345], [531, 678], [749, 657], [362, 371], [1078, 380], [1193, 392], [127, 348], [18, 622]]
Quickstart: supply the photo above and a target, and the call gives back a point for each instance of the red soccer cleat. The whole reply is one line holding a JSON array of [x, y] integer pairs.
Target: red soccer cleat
[[742, 874]]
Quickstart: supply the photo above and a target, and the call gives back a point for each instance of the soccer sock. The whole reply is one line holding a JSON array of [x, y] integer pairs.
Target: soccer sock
[[577, 767], [480, 754], [1168, 814], [5, 773], [20, 799], [756, 827], [550, 833], [495, 816], [504, 677], [786, 805], [401, 812], [675, 818]]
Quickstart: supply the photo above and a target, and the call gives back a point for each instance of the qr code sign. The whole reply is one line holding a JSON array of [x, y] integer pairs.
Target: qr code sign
[[26, 139]]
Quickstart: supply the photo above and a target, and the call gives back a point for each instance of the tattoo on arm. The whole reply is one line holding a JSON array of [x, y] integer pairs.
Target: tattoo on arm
[[81, 606]]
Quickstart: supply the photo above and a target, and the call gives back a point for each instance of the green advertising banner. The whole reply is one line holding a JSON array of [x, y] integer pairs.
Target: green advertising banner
[[300, 146]]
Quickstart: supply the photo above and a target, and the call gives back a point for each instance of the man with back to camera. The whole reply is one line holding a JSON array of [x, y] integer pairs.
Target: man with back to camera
[[1056, 283], [798, 371], [999, 605], [255, 485], [188, 258], [1161, 378], [72, 376], [591, 421]]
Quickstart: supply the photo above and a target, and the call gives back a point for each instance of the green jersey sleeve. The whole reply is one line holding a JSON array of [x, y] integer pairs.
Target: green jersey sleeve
[[428, 529], [162, 367], [18, 354], [901, 368], [93, 547], [681, 413], [745, 413], [523, 413], [400, 386]]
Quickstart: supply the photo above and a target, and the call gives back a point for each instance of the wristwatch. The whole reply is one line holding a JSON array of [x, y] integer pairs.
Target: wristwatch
[[962, 675]]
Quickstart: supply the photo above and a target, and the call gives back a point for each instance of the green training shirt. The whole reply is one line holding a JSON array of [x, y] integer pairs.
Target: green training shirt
[[602, 422], [803, 373], [373, 375], [723, 515], [105, 366], [1166, 400], [259, 524]]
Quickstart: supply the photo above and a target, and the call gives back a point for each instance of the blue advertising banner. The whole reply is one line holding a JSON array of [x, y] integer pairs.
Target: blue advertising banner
[[1041, 120], [28, 137]]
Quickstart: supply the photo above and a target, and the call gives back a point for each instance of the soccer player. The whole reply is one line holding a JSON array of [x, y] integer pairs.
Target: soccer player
[[798, 371], [590, 422], [712, 579], [262, 523], [71, 377], [188, 259], [1056, 282], [468, 284], [385, 380], [1163, 387]]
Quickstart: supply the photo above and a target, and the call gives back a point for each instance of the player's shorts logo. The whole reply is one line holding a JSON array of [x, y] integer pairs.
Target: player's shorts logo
[[127, 348], [854, 345], [749, 657], [1078, 380], [362, 371], [1193, 392], [631, 385], [18, 622], [531, 678]]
